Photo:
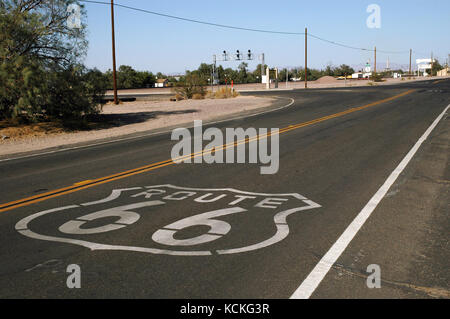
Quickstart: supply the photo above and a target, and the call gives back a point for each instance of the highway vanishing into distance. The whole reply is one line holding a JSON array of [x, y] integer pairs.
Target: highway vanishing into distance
[[363, 180]]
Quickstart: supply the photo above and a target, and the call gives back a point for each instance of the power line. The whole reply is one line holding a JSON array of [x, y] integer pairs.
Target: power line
[[355, 48], [242, 28], [194, 21]]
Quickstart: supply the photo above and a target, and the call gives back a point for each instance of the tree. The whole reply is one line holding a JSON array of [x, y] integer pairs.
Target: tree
[[204, 71], [159, 75], [330, 70], [436, 66], [257, 72], [40, 61], [344, 69], [242, 76], [192, 84], [127, 77], [145, 79]]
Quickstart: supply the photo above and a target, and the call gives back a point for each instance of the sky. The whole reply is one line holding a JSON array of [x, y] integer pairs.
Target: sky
[[160, 44]]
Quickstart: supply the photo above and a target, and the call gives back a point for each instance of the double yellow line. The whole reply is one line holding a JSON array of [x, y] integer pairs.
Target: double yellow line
[[91, 183]]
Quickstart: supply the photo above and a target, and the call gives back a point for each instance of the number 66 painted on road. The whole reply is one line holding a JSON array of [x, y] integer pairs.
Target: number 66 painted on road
[[218, 229], [163, 236]]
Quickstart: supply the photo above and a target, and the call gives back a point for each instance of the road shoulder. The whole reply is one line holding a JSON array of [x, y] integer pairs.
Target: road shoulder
[[228, 109], [407, 236]]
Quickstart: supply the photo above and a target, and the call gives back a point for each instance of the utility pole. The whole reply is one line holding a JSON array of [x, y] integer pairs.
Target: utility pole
[[306, 58], [287, 77], [276, 78], [431, 70], [375, 65], [410, 55], [116, 100], [263, 65]]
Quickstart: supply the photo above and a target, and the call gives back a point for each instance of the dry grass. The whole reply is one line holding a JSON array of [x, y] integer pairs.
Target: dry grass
[[225, 93], [11, 130], [222, 93], [198, 96]]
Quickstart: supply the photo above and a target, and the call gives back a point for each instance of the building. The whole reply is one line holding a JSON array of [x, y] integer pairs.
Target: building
[[161, 83], [444, 72], [423, 65]]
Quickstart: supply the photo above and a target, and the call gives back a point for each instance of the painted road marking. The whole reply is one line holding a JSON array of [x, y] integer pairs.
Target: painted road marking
[[74, 188], [309, 285], [126, 217], [269, 207]]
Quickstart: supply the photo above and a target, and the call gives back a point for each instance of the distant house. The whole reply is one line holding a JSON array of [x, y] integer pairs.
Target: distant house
[[444, 72], [161, 83]]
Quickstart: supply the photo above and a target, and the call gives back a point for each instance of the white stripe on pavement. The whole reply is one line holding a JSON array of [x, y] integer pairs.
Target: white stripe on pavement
[[310, 284]]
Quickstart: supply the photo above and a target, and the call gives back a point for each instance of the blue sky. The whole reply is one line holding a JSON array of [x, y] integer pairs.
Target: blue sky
[[154, 43]]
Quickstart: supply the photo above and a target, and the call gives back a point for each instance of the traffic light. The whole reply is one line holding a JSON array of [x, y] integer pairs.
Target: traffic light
[[225, 55], [249, 54], [238, 55]]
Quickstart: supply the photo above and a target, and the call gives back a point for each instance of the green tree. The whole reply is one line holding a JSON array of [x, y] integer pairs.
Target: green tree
[[257, 72], [330, 70], [145, 79], [344, 69], [242, 76], [436, 67], [192, 84], [40, 61], [204, 71], [127, 77]]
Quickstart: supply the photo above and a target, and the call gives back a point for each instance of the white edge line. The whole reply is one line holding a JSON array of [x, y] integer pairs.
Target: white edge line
[[309, 285], [141, 136]]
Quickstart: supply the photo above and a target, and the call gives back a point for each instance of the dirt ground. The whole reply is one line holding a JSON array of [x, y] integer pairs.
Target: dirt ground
[[123, 119]]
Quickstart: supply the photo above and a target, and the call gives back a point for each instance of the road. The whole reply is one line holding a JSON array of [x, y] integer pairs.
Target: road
[[337, 148]]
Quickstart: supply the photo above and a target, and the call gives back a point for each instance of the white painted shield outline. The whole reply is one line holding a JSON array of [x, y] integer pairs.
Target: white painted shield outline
[[279, 220]]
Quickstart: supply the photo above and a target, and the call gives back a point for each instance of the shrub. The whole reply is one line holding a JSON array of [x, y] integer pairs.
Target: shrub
[[192, 84], [40, 72], [224, 93], [377, 77], [198, 96]]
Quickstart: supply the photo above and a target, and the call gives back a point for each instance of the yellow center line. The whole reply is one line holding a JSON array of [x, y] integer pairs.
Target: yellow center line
[[91, 183]]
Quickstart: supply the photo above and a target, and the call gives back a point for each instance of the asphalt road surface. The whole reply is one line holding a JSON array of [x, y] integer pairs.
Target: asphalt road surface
[[363, 180]]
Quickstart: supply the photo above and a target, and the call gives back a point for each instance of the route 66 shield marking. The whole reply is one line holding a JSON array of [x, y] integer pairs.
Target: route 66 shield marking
[[142, 201]]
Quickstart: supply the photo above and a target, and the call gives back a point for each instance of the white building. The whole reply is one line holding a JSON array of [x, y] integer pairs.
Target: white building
[[423, 65]]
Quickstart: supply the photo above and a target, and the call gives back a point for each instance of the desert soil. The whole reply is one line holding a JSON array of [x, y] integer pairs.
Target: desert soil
[[126, 118]]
